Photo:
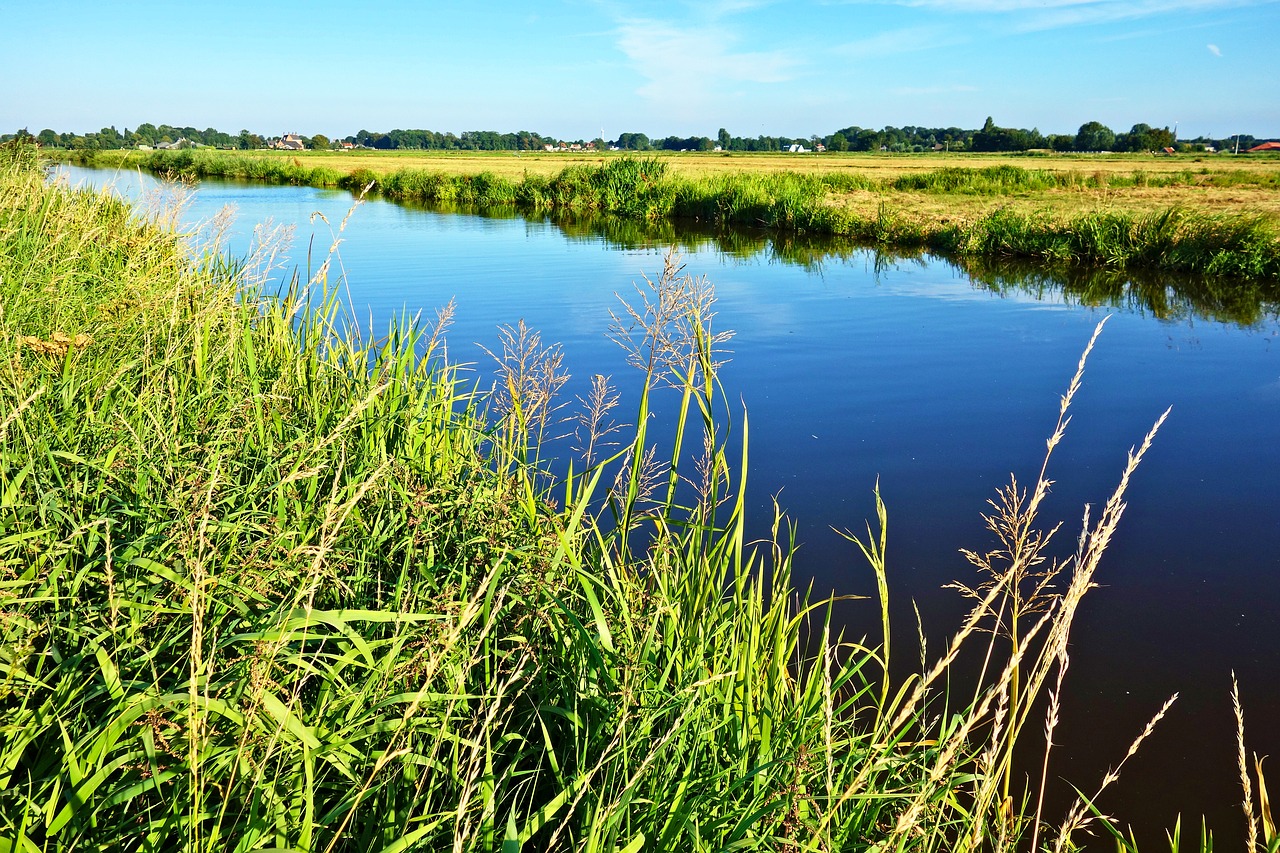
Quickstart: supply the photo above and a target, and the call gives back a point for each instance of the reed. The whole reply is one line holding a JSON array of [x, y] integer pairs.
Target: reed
[[267, 582]]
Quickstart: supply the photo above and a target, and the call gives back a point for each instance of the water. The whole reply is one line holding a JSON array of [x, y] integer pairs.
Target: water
[[854, 368]]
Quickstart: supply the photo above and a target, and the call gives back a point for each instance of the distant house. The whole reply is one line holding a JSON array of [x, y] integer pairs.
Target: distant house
[[348, 146], [182, 142], [1266, 146], [797, 148], [290, 142]]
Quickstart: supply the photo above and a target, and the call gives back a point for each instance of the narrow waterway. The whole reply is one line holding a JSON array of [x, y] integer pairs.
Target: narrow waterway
[[937, 383]]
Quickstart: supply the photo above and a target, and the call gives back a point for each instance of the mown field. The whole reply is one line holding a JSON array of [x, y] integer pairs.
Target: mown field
[[1129, 183]]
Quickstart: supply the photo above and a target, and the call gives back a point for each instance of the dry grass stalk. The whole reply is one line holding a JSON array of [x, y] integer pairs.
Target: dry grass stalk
[[58, 345], [1251, 823], [1077, 820], [529, 377], [593, 424], [663, 335]]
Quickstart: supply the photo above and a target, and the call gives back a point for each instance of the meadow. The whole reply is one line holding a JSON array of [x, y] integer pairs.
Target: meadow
[[1211, 214], [269, 580]]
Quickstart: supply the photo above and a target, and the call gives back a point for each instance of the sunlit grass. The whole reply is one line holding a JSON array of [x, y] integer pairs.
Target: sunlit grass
[[269, 583]]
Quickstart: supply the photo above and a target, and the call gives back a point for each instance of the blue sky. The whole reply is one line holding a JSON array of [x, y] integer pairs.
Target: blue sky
[[570, 68]]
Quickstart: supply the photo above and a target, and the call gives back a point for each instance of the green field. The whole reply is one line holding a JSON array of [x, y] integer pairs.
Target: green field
[[1131, 183], [1059, 211]]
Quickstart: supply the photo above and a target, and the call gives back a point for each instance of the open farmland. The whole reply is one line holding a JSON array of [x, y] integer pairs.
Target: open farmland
[[1128, 183]]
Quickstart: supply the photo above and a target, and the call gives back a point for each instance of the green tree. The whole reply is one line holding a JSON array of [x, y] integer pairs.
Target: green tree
[[1144, 137], [1061, 141], [319, 142], [1095, 136], [146, 133], [724, 139]]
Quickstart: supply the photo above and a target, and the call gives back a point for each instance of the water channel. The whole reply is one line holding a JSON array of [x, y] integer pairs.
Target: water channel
[[939, 382]]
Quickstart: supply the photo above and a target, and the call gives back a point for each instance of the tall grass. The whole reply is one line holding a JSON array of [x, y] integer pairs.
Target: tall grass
[[266, 583], [638, 188], [1175, 240]]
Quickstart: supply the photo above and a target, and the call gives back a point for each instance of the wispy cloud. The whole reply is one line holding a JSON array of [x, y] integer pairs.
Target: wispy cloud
[[1033, 15], [1214, 49], [912, 91], [895, 42], [687, 66]]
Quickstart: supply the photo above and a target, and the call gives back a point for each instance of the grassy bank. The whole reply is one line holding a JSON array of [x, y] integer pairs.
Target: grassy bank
[[266, 583], [1156, 220]]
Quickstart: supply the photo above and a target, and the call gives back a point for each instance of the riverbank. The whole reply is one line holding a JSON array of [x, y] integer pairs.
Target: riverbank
[[268, 580], [1200, 217]]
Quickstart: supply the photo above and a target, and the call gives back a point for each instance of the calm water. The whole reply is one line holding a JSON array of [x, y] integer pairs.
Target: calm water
[[857, 368]]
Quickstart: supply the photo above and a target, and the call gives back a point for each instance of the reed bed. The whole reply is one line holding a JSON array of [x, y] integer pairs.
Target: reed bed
[[267, 582], [1171, 239]]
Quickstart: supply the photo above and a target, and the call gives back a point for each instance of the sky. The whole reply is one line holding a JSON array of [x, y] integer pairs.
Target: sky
[[584, 68]]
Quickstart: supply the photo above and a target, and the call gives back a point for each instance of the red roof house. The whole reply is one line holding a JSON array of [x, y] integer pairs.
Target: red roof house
[[1266, 146]]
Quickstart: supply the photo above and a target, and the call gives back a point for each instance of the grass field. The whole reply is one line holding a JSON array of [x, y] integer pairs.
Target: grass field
[[1129, 183]]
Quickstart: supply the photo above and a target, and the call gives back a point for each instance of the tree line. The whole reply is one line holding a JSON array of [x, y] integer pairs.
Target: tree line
[[1091, 136]]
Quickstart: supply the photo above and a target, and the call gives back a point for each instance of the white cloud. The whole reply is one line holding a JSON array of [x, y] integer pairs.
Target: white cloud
[[1214, 49], [908, 91], [894, 42], [1033, 15], [687, 66]]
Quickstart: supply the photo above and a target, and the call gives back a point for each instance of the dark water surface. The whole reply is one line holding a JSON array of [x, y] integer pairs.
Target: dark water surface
[[855, 367]]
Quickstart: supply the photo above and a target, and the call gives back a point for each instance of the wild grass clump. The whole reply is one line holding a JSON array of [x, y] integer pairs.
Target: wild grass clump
[[266, 583], [993, 180], [1174, 240]]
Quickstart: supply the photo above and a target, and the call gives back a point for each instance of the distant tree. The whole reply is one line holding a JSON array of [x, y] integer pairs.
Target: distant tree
[[528, 141], [1061, 141], [146, 133], [1144, 137], [838, 142], [726, 141], [994, 138], [47, 138], [319, 142], [1095, 136], [633, 142], [868, 140]]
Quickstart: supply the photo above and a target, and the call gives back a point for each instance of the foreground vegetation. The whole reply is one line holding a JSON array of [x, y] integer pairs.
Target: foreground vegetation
[[1051, 216], [266, 583]]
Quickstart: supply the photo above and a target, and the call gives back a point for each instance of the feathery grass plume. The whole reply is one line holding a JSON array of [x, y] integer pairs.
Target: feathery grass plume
[[1085, 810], [593, 423]]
